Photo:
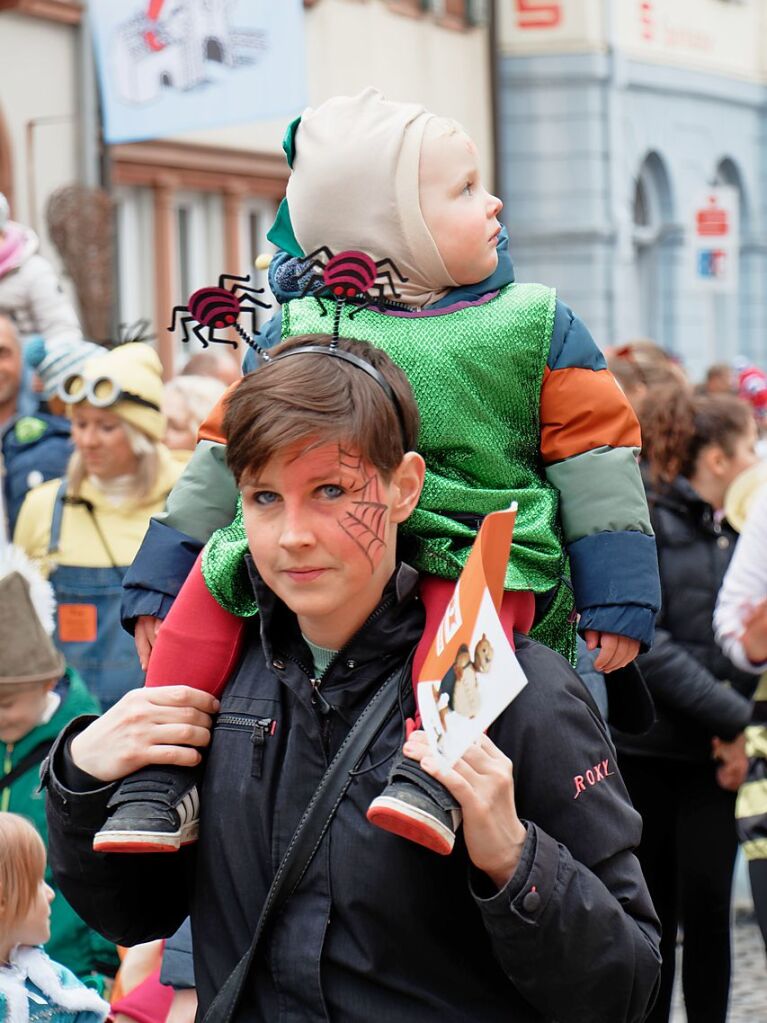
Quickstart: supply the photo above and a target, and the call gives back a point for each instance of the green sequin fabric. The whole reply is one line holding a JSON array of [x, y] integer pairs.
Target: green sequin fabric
[[476, 373]]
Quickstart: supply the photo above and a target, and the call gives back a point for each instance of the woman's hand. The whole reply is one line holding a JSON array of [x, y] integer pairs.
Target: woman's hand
[[482, 782], [145, 635], [159, 725], [733, 762]]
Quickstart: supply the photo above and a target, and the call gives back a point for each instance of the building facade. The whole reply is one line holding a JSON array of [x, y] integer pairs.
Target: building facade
[[616, 117], [195, 205]]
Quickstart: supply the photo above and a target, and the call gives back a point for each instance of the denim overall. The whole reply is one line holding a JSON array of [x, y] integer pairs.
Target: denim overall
[[108, 663]]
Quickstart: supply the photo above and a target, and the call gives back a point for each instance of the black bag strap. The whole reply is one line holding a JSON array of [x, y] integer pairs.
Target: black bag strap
[[34, 757], [311, 829]]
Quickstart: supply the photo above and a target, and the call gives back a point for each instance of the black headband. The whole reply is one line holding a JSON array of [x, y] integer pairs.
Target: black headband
[[380, 379]]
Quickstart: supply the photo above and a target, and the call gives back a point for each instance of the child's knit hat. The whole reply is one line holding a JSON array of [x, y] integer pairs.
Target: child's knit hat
[[27, 653], [355, 185], [55, 361]]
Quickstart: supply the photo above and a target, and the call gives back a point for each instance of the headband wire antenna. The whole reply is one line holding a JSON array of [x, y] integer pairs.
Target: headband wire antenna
[[219, 308]]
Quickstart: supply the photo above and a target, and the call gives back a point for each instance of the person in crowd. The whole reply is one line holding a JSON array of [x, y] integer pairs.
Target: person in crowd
[[186, 401], [39, 695], [34, 987], [720, 379], [752, 388], [30, 290], [84, 530], [213, 363], [538, 880], [641, 366], [740, 621], [34, 444], [52, 363], [683, 774]]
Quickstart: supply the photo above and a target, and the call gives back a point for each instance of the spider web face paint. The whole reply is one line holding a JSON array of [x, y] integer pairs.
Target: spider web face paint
[[365, 523]]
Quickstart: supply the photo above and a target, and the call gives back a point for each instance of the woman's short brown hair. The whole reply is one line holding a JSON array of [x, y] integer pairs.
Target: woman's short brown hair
[[324, 398], [22, 866]]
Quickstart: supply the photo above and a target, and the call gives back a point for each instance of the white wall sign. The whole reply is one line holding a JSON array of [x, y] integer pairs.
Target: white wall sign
[[715, 239], [541, 26]]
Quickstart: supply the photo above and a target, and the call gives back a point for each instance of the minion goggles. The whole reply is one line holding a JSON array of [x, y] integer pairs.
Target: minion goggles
[[101, 392]]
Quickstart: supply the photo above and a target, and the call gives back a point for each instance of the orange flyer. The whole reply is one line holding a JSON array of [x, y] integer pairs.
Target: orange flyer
[[471, 673]]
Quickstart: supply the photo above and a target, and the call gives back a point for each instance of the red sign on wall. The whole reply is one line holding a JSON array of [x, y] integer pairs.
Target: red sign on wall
[[711, 219], [646, 20], [538, 13]]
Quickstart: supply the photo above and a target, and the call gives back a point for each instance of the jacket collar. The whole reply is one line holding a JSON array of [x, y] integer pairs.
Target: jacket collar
[[681, 498], [385, 640], [286, 282]]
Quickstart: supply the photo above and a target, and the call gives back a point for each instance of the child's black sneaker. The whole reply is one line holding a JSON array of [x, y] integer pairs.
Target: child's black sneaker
[[415, 806], [156, 809]]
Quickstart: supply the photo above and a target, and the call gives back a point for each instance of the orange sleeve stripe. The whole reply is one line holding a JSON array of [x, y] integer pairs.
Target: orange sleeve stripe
[[212, 428], [583, 409]]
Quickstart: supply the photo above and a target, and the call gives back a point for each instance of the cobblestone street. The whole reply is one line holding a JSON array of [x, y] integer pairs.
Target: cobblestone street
[[748, 998]]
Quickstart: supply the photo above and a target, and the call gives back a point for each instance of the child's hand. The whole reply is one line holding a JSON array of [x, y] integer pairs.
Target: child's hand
[[145, 634], [616, 651], [482, 782], [754, 637], [159, 725]]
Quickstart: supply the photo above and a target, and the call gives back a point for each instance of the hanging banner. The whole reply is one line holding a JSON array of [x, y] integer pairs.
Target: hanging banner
[[715, 239], [172, 66], [471, 672]]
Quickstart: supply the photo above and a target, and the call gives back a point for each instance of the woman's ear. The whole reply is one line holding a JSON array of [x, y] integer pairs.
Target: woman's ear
[[713, 459], [407, 481]]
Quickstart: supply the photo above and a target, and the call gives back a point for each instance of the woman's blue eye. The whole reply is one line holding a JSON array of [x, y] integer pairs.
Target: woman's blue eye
[[331, 490], [264, 497]]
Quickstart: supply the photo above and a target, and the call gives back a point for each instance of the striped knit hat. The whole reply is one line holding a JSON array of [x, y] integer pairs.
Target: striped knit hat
[[53, 362]]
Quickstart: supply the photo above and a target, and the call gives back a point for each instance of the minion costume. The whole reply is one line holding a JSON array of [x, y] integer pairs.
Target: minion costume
[[85, 541]]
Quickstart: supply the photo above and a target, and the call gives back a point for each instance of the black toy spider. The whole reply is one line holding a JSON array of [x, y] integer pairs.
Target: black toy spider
[[350, 276], [219, 307]]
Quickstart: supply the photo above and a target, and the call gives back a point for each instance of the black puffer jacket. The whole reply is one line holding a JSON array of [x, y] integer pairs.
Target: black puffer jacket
[[698, 692], [379, 928]]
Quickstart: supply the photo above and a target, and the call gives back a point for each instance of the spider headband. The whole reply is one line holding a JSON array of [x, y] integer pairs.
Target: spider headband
[[380, 379]]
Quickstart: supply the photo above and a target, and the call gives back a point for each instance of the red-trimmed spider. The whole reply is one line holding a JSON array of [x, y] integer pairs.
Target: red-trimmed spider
[[217, 308], [350, 276]]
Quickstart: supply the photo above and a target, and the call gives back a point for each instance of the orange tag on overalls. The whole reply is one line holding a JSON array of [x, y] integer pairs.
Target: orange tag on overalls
[[78, 623]]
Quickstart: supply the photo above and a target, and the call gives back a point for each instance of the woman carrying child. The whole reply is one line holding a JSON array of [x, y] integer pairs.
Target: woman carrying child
[[516, 404]]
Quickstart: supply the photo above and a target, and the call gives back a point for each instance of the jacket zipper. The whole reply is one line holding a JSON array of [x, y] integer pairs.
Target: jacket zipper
[[260, 729], [318, 699]]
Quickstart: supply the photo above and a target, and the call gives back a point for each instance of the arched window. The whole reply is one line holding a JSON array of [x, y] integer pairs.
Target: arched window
[[651, 292], [736, 314]]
